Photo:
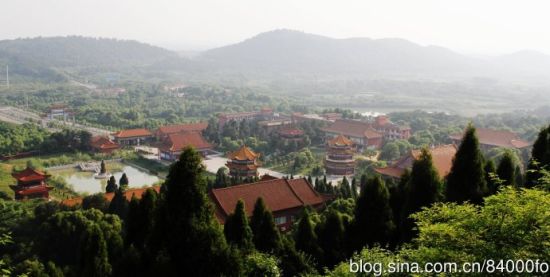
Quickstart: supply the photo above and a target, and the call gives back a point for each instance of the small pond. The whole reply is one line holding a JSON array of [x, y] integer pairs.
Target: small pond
[[84, 182]]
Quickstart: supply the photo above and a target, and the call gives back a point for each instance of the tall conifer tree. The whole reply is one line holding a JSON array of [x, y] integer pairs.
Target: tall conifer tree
[[123, 182], [111, 184], [266, 234], [466, 180], [540, 158], [94, 259], [331, 234], [373, 220], [306, 239], [192, 238], [423, 189], [490, 172], [237, 230], [506, 170]]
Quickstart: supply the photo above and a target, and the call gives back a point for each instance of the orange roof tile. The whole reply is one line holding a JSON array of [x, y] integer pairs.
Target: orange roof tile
[[244, 153], [498, 138], [29, 174], [394, 172], [130, 133], [353, 128], [340, 140], [178, 128], [291, 132], [137, 192], [278, 194], [32, 190], [100, 142], [442, 158], [178, 141]]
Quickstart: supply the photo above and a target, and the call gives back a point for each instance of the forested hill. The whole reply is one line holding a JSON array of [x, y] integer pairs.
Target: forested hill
[[44, 57], [293, 51]]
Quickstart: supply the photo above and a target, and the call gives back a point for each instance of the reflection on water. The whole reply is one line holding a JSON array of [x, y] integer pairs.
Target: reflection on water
[[85, 181]]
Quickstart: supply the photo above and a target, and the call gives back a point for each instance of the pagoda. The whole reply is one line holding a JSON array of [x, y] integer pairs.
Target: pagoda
[[339, 158], [243, 163], [31, 183]]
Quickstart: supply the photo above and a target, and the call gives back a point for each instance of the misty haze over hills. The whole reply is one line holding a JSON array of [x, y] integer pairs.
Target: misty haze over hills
[[278, 53], [357, 73], [292, 52]]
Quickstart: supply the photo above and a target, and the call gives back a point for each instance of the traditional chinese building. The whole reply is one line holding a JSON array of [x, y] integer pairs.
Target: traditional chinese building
[[291, 134], [31, 183], [442, 158], [339, 158], [102, 144], [286, 198], [324, 118], [269, 126], [243, 163], [489, 139], [163, 131], [390, 130], [170, 149], [133, 136], [361, 133], [263, 114]]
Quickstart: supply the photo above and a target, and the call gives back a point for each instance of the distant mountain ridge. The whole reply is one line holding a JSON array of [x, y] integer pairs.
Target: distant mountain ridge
[[42, 57], [269, 55], [288, 51]]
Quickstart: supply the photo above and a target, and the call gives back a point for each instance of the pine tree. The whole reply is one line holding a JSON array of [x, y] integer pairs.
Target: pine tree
[[132, 222], [519, 177], [354, 191], [506, 170], [423, 189], [541, 147], [305, 237], [186, 229], [397, 200], [331, 234], [119, 204], [345, 190], [111, 185], [466, 180], [373, 221], [490, 172], [266, 234], [363, 181], [237, 230], [123, 182], [221, 178], [94, 258], [540, 158]]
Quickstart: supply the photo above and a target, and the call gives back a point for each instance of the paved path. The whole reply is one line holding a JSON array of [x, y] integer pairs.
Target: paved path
[[20, 116]]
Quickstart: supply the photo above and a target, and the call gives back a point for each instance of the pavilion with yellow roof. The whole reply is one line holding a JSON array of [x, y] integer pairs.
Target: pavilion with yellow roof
[[243, 163], [339, 158]]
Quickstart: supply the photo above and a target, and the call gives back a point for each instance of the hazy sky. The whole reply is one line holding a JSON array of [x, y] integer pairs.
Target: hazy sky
[[468, 26]]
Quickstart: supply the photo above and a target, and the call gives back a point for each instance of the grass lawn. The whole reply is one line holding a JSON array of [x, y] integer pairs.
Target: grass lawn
[[49, 160], [6, 179]]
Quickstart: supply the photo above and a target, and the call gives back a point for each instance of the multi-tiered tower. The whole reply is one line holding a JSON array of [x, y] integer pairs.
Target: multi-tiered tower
[[243, 163], [31, 183], [339, 159]]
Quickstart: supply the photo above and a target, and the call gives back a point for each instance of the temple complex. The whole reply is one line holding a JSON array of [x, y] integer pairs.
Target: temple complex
[[339, 158]]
